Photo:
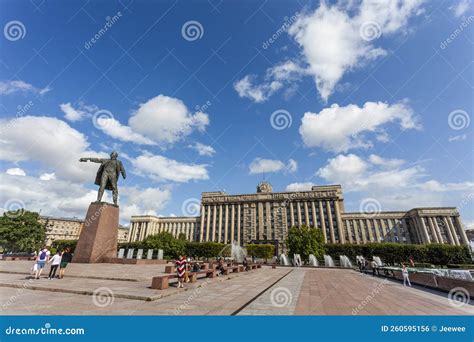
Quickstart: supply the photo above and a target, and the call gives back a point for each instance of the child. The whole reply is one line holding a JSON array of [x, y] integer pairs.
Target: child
[[55, 261]]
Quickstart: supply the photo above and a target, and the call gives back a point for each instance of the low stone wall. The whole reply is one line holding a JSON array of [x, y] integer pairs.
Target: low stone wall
[[134, 261], [434, 281]]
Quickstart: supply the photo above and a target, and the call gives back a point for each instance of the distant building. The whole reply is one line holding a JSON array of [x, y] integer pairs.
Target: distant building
[[266, 216], [61, 228], [470, 234], [143, 226]]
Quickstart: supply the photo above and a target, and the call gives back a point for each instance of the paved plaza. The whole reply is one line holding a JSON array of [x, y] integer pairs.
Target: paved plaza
[[110, 289]]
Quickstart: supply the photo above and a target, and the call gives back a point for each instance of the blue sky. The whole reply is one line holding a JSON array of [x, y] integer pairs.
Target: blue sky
[[378, 100]]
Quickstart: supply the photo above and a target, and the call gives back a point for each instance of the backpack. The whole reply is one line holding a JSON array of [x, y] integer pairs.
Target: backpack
[[42, 255]]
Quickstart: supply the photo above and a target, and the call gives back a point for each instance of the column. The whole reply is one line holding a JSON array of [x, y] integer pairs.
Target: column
[[448, 232], [424, 231], [432, 229], [438, 231], [460, 228], [238, 223], [356, 231], [369, 229], [203, 213], [306, 214], [384, 229], [298, 210], [214, 215], [349, 230], [232, 223], [292, 214], [219, 238], [260, 223], [323, 222], [313, 212], [331, 224], [363, 230], [342, 238], [268, 222], [226, 223], [208, 224], [376, 222]]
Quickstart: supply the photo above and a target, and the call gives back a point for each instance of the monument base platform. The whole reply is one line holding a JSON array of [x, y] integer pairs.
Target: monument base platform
[[98, 239]]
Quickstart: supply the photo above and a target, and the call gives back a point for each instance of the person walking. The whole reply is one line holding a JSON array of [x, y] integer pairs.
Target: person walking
[[55, 261], [41, 260], [405, 276], [181, 270], [66, 258]]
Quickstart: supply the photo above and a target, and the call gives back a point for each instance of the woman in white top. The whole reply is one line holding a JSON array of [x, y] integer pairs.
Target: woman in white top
[[405, 276], [55, 261]]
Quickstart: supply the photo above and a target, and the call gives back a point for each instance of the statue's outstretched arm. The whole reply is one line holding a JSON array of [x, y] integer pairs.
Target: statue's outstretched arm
[[94, 160], [122, 170]]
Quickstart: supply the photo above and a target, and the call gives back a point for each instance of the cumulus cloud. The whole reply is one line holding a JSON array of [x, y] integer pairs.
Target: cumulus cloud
[[162, 169], [50, 142], [166, 120], [12, 87], [460, 8], [48, 176], [394, 184], [300, 186], [276, 77], [115, 129], [335, 39], [260, 165], [203, 150], [16, 171], [71, 113], [340, 129]]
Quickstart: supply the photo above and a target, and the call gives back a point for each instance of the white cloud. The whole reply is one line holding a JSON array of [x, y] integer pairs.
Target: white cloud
[[460, 8], [12, 87], [16, 171], [340, 129], [276, 77], [50, 142], [162, 169], [166, 120], [300, 186], [48, 176], [394, 186], [115, 129], [203, 150], [292, 166], [335, 39], [260, 165], [71, 113]]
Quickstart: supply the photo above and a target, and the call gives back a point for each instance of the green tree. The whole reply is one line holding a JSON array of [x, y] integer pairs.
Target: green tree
[[172, 247], [182, 236], [304, 241], [21, 231]]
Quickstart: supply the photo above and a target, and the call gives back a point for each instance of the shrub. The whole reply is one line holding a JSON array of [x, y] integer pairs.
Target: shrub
[[263, 251], [206, 249], [61, 245]]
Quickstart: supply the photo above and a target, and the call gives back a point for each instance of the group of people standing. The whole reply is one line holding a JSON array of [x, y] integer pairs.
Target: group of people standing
[[363, 265], [59, 260]]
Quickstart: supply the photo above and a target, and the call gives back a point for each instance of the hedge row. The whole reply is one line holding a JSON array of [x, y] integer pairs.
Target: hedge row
[[394, 253]]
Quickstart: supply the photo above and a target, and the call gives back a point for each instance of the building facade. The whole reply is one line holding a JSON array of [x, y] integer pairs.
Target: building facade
[[60, 228], [266, 216], [143, 226]]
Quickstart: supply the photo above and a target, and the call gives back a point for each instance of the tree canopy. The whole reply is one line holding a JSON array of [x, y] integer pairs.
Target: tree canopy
[[304, 241], [21, 231]]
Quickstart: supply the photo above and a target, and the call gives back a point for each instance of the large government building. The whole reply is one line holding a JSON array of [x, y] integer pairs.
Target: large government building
[[266, 216]]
